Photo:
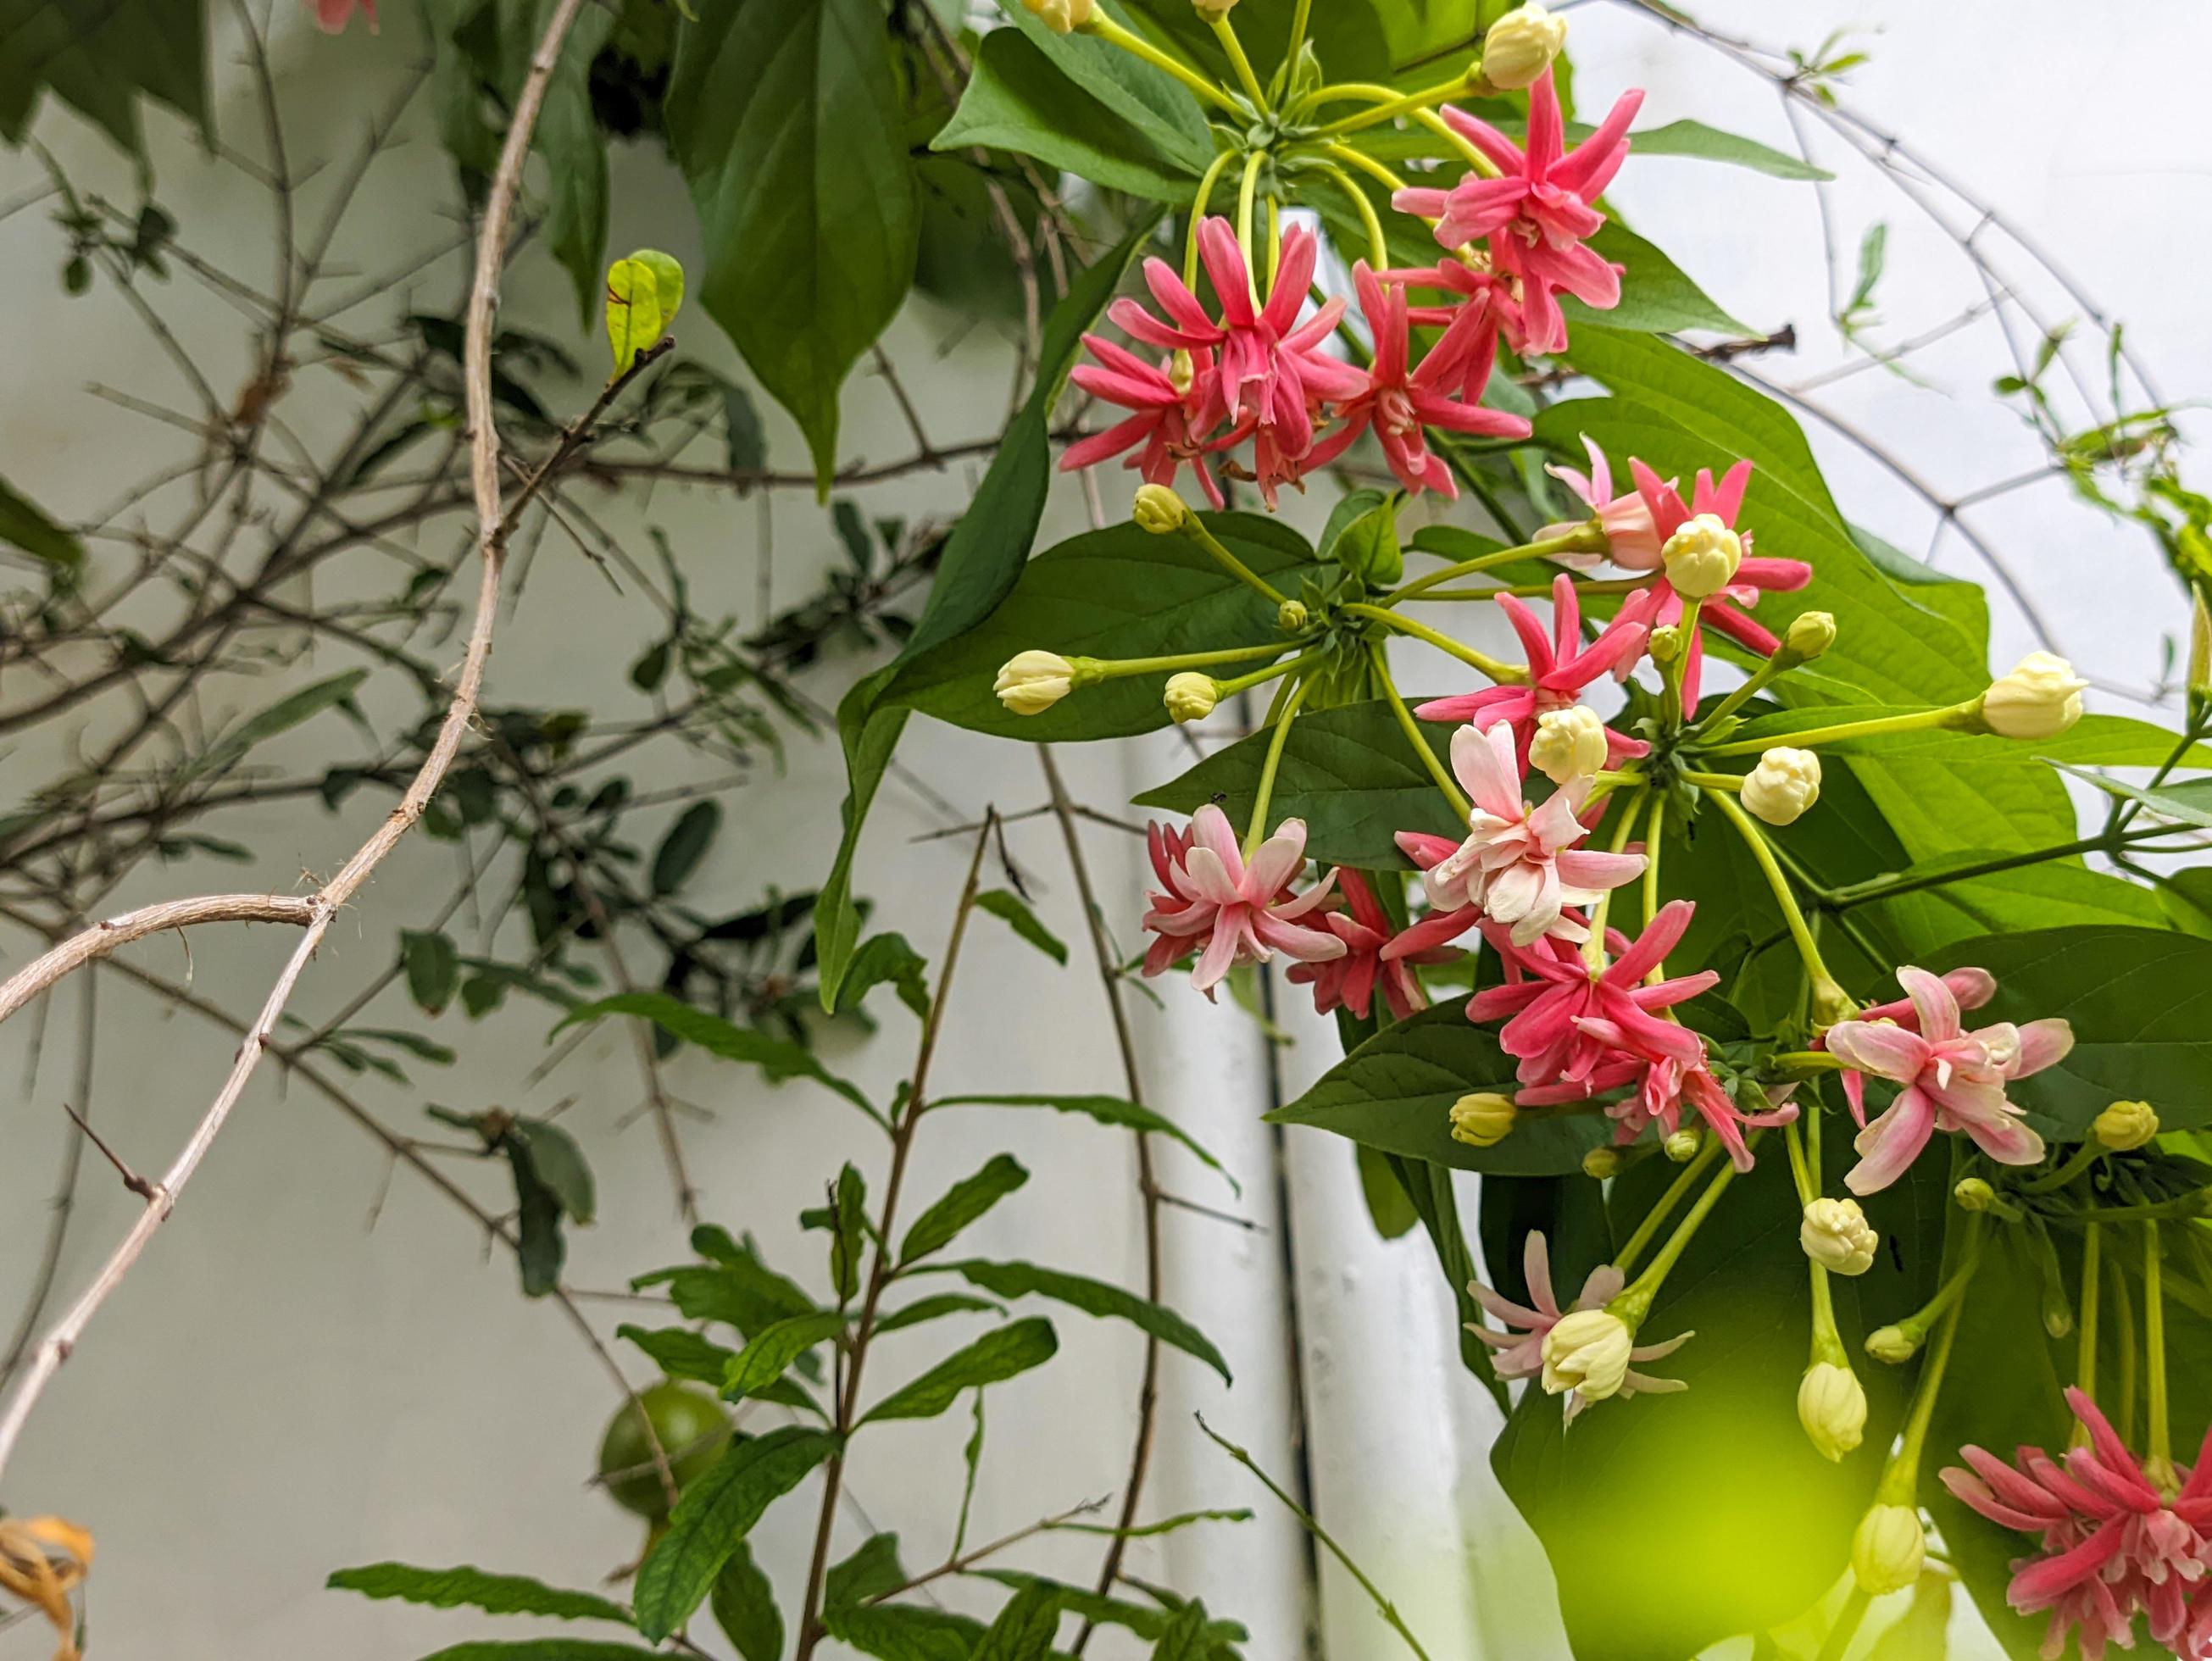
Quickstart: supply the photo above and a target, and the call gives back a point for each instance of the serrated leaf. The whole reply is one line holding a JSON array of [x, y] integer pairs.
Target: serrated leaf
[[1099, 1298], [966, 1201], [470, 1587], [714, 1514], [993, 1359]]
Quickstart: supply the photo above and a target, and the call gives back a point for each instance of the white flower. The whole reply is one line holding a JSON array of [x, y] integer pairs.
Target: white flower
[[1568, 744], [1588, 1351], [1191, 695], [1837, 1236], [1702, 557], [1031, 682], [1811, 633], [1522, 45], [1888, 1549], [1782, 786], [2040, 699], [1483, 1120], [2125, 1125], [1832, 1406]]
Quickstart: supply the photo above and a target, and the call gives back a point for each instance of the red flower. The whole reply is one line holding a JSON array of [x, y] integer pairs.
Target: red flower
[[1170, 422], [1349, 981]]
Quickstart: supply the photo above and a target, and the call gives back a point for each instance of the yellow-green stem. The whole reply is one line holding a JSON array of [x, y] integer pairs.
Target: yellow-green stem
[[1482, 166], [1206, 181], [2085, 1364], [1256, 831], [1901, 1482], [1755, 840], [1655, 1218], [1582, 539], [1672, 675], [1783, 661], [1633, 1305], [1712, 780], [2161, 1440], [1378, 247], [1194, 528], [2087, 1154], [1461, 807], [1225, 32], [1107, 30], [1366, 164], [1260, 677], [1953, 1290], [1299, 15], [1654, 838], [1593, 947], [1116, 668], [1958, 717], [1247, 194], [1503, 673], [2123, 1342], [1388, 105]]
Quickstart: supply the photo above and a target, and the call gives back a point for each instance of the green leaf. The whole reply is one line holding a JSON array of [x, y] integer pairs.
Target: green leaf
[[433, 962], [1088, 1605], [543, 1649], [774, 1348], [872, 1571], [744, 1603], [1348, 772], [1106, 1109], [2190, 803], [1117, 593], [684, 846], [1186, 1638], [981, 559], [886, 958], [1011, 909], [1390, 1207], [1099, 1298], [635, 320], [1695, 138], [1395, 1093], [681, 1353], [559, 1165], [100, 59], [715, 1514], [1018, 100], [1656, 295], [469, 1587], [992, 1358], [282, 716], [936, 1305], [1154, 103], [539, 1250], [1024, 1629], [22, 526], [785, 115], [777, 1058], [1368, 547], [961, 1205], [902, 1631], [849, 1223]]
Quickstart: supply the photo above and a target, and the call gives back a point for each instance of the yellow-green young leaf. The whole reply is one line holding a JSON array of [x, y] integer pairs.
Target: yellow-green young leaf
[[634, 314], [667, 282]]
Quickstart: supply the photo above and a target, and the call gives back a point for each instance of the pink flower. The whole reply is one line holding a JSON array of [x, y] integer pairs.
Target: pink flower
[[1399, 401], [1518, 1351], [1485, 304], [1568, 1021], [1537, 213], [1170, 423], [1559, 668], [332, 16], [1954, 1080], [1664, 1084], [1349, 981], [1724, 501], [1519, 865], [1240, 914], [1633, 540]]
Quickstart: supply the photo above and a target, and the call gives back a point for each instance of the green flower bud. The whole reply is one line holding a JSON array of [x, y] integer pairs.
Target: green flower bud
[[1811, 634], [1291, 616], [1483, 1120], [1159, 509], [1601, 1163]]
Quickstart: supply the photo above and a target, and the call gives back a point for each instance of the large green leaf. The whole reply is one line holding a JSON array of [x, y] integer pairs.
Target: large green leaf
[[992, 1358], [1119, 593], [1152, 101], [903, 1631], [1100, 1298], [99, 58], [774, 1348], [1024, 1629], [469, 1587], [1656, 295], [1348, 772], [715, 1514], [785, 117], [1395, 1092]]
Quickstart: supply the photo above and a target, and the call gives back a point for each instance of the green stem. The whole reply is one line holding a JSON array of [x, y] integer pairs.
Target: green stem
[[1206, 181], [1673, 674], [1107, 30], [1366, 164], [2090, 1151], [1901, 1482], [1878, 888], [1654, 838], [1256, 832], [1482, 166], [1224, 688], [1848, 1619], [2085, 1364], [1503, 673], [1247, 193], [1633, 1305], [1948, 1295], [1194, 528], [1663, 1207], [1378, 247], [2124, 1336], [1461, 807], [1713, 781], [1582, 539], [2161, 1439], [1387, 105], [1116, 668], [1955, 717], [1593, 947], [1755, 840], [1782, 660], [1298, 19], [1225, 32], [2124, 812], [1808, 1062]]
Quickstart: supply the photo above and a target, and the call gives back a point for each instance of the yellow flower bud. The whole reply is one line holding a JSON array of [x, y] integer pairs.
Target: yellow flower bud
[[1665, 645], [1888, 1549], [1159, 509], [1062, 16], [2200, 644], [1832, 1406], [1191, 696], [1681, 1145], [1782, 786], [1587, 1351], [1520, 45], [1892, 1345], [2040, 699], [2124, 1125], [1182, 372], [1291, 616], [1569, 744], [1602, 1162], [1031, 682], [1702, 556], [1483, 1120], [1835, 1235], [1811, 634], [1974, 1194]]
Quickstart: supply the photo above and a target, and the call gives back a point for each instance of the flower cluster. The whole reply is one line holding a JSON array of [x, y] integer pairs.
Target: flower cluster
[[2116, 1539], [1587, 1353]]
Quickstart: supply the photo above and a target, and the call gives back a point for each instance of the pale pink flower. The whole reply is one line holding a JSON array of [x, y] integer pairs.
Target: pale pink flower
[[1559, 666], [1238, 914], [1753, 577], [1170, 422], [1349, 981], [1632, 539], [332, 16], [1518, 1351], [1537, 213], [1399, 401], [1519, 864], [1953, 1079]]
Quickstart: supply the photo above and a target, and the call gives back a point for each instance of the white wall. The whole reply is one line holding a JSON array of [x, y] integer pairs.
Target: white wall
[[280, 1389]]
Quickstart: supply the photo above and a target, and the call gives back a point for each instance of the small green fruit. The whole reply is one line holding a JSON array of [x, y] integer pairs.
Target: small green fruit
[[693, 1429]]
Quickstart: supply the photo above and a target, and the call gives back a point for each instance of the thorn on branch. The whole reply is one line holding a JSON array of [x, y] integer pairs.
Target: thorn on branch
[[145, 1191]]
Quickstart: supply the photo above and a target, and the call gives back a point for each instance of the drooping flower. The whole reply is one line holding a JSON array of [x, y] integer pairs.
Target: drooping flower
[[1537, 213], [1520, 1351], [1666, 1085], [1953, 1079], [1349, 981], [1559, 668], [1632, 541], [1400, 399], [1832, 1406], [1237, 913], [1723, 501], [1519, 865], [1486, 303], [1174, 409]]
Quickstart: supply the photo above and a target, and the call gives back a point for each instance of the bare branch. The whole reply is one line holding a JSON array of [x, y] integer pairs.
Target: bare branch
[[103, 938]]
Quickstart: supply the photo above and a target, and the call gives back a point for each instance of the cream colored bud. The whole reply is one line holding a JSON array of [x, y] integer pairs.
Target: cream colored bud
[[1291, 616], [1191, 696], [1483, 1120], [2200, 643], [1159, 509], [1702, 557], [1782, 786], [1183, 371], [1974, 1194], [1665, 644], [1893, 1346], [1062, 16], [1587, 1350], [1888, 1550], [1522, 45], [1569, 744], [1832, 1406], [1835, 1235], [1681, 1145], [1601, 1163], [2125, 1125], [1030, 683], [1214, 10], [1811, 633], [2040, 699]]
